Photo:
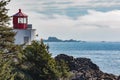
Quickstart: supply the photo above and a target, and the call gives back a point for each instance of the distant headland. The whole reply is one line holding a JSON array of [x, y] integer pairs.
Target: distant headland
[[55, 39]]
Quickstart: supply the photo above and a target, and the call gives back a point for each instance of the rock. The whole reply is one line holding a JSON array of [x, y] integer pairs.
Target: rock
[[118, 78], [85, 69]]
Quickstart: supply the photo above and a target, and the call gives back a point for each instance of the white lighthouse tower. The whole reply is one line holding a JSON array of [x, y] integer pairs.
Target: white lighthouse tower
[[24, 31]]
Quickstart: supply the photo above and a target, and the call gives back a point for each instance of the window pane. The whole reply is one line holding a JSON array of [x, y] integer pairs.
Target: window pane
[[25, 20], [20, 20], [26, 39]]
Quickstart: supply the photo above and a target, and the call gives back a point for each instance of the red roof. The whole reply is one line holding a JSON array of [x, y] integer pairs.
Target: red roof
[[20, 14]]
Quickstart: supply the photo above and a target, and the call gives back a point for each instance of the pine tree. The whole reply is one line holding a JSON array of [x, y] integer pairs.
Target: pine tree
[[7, 47], [6, 33], [4, 18], [63, 69], [39, 63]]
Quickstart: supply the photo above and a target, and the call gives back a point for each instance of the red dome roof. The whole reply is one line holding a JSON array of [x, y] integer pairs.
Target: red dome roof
[[20, 14]]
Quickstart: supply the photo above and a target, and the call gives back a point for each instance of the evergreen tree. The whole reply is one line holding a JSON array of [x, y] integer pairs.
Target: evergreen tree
[[7, 47], [6, 33], [39, 63], [4, 18], [63, 69]]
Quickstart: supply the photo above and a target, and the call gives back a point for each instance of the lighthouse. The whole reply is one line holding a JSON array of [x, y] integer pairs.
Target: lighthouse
[[24, 31]]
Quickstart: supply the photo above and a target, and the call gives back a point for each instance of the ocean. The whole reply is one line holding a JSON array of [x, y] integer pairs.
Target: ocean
[[105, 54]]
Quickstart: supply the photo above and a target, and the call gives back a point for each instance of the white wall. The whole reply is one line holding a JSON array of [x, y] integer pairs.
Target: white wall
[[21, 33]]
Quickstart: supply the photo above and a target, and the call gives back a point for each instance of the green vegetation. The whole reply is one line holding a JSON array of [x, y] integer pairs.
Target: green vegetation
[[63, 70], [41, 65], [7, 47], [28, 62]]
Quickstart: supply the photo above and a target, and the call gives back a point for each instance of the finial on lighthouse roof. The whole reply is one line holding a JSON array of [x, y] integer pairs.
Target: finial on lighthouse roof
[[19, 14], [19, 10]]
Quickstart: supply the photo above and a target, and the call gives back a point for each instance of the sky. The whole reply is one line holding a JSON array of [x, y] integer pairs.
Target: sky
[[87, 20]]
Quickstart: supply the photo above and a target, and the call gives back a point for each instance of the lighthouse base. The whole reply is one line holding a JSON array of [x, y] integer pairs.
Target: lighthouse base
[[24, 36]]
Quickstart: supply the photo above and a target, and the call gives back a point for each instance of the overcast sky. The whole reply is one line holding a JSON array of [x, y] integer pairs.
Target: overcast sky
[[89, 20]]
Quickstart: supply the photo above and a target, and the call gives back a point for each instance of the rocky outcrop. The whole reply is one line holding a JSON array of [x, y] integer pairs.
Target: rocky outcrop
[[85, 69], [54, 39]]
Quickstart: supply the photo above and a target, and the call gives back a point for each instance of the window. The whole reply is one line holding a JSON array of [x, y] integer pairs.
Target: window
[[22, 20], [25, 20], [26, 39]]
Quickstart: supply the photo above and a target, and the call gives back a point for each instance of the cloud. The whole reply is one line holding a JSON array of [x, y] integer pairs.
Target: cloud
[[58, 18], [102, 19], [95, 25], [71, 8]]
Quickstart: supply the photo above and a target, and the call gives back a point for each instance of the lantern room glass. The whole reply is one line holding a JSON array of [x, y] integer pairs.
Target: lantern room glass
[[22, 20]]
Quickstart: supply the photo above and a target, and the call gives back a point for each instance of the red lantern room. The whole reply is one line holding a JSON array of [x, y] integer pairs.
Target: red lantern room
[[20, 20]]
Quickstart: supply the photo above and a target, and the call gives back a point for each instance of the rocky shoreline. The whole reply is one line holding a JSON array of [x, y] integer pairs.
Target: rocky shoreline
[[85, 69]]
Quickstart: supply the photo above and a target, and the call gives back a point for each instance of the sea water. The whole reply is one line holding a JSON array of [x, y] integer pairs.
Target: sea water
[[105, 54]]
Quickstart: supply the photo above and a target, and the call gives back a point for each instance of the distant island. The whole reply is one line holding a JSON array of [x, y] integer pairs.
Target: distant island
[[54, 39]]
